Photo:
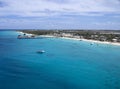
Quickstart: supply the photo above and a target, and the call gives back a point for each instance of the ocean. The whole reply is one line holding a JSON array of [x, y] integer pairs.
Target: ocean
[[66, 64]]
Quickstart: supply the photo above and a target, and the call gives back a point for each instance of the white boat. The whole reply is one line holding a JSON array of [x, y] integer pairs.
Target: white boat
[[41, 51]]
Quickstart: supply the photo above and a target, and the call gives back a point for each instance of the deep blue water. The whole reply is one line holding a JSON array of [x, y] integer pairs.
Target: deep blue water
[[67, 64]]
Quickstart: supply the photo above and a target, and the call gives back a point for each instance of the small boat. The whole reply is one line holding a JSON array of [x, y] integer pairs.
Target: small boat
[[41, 51], [91, 43]]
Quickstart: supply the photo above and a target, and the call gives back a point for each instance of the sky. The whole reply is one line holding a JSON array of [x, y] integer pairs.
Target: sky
[[60, 14]]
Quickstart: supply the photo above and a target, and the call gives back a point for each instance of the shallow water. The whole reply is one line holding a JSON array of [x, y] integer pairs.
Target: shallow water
[[66, 64]]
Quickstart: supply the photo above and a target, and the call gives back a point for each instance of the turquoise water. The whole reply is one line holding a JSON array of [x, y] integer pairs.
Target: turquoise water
[[66, 64]]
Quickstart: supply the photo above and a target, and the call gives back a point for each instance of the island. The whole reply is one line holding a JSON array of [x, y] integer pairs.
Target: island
[[94, 35]]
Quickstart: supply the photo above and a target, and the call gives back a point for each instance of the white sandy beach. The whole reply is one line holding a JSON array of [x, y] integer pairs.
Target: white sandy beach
[[104, 42], [92, 41], [46, 36]]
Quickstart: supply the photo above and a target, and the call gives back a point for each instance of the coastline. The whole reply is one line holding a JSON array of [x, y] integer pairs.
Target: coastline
[[24, 33], [92, 41]]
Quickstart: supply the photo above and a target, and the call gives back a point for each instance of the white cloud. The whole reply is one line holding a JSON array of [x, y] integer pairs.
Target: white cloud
[[107, 23], [60, 13], [58, 7]]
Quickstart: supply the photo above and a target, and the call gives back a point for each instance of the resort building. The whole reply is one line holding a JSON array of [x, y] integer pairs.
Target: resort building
[[102, 38], [67, 35], [114, 40]]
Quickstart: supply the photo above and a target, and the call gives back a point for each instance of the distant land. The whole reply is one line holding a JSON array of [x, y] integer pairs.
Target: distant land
[[98, 35]]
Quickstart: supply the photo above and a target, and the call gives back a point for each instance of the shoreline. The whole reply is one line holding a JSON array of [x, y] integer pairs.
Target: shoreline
[[92, 41], [24, 33]]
